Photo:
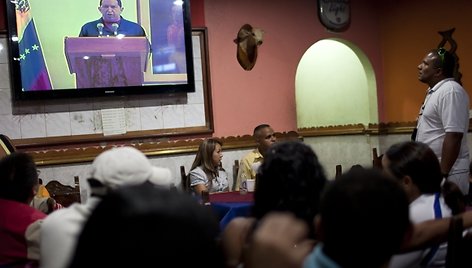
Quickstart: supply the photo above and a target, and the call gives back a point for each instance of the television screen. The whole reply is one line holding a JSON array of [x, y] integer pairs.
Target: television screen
[[65, 48]]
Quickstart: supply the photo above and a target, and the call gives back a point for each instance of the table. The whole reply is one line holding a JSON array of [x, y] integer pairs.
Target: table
[[230, 205]]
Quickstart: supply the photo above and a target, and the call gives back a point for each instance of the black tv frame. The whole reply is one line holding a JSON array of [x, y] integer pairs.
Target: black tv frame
[[15, 73]]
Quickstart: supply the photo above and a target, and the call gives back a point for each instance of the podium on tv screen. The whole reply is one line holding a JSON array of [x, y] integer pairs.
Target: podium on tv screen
[[107, 61]]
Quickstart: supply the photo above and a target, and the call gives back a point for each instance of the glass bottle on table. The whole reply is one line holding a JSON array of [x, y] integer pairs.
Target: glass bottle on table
[[243, 186]]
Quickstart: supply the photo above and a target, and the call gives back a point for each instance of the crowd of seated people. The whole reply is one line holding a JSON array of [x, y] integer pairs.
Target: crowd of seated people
[[299, 218]]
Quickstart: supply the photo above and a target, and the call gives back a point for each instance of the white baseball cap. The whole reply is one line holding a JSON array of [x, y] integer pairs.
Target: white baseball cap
[[127, 166]]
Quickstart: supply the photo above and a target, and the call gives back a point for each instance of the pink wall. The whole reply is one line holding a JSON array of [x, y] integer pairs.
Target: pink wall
[[244, 99], [3, 19]]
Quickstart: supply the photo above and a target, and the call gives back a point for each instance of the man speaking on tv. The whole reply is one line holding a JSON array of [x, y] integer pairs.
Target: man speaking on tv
[[111, 23]]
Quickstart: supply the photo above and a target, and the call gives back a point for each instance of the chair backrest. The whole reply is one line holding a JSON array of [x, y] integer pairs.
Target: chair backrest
[[205, 198], [376, 159], [6, 146], [235, 174], [458, 245], [184, 180], [339, 171], [64, 194]]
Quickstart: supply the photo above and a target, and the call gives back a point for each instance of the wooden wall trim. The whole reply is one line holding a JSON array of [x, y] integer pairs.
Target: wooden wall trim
[[81, 154], [332, 130], [359, 129], [58, 154]]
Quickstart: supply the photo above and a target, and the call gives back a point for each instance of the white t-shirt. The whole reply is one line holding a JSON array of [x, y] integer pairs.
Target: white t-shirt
[[219, 184], [60, 232], [422, 209], [446, 109]]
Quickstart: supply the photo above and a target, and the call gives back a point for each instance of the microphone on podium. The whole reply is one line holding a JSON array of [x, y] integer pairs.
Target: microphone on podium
[[100, 28], [115, 28]]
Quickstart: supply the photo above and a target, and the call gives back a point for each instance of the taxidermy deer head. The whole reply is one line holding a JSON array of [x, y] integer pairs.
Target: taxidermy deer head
[[247, 41]]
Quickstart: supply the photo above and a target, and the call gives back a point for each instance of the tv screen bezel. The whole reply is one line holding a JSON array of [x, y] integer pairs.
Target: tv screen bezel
[[15, 73]]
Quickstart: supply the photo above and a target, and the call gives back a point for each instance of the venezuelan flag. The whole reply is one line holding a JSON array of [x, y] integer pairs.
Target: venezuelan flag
[[34, 73]]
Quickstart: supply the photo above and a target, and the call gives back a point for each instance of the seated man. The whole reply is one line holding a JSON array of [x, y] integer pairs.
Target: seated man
[[111, 169], [19, 224], [111, 23], [363, 221], [264, 137]]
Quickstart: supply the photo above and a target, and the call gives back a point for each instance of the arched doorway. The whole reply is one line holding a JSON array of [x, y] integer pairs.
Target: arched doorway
[[335, 85]]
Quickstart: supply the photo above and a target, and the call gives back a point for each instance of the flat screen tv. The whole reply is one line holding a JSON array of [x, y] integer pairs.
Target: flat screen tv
[[71, 48]]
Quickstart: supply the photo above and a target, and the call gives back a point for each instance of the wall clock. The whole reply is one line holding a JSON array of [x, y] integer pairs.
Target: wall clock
[[335, 15]]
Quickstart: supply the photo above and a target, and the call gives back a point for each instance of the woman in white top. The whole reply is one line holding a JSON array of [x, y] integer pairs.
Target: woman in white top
[[206, 173], [418, 170]]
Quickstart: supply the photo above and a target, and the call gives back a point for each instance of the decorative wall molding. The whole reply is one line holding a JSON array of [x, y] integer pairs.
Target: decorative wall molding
[[83, 152], [55, 151], [86, 153], [359, 129]]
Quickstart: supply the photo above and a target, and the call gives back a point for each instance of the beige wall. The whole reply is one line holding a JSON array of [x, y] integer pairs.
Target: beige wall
[[409, 29]]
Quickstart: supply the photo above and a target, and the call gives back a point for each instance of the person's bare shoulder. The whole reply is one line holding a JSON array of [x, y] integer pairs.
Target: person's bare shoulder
[[237, 231]]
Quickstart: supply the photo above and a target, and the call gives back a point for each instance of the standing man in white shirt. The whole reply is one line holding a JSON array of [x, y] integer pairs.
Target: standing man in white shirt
[[443, 121]]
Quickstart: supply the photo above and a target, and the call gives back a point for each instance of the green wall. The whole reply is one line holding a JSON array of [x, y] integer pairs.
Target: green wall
[[335, 85]]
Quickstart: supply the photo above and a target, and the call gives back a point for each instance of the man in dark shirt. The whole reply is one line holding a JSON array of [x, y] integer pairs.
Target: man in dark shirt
[[111, 23]]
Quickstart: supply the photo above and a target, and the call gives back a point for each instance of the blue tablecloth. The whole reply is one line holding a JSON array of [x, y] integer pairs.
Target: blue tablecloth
[[228, 211]]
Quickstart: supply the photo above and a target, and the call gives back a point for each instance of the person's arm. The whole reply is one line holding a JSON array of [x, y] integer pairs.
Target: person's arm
[[199, 188], [234, 239], [433, 232], [450, 150]]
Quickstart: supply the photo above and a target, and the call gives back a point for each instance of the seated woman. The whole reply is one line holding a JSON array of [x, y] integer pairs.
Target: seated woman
[[418, 170], [206, 173]]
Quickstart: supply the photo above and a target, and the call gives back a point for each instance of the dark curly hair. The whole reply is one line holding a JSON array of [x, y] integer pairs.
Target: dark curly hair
[[18, 176], [445, 60], [179, 229], [364, 218], [290, 179], [418, 161]]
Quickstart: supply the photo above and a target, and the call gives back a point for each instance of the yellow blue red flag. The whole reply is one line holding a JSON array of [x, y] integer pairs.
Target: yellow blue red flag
[[34, 72]]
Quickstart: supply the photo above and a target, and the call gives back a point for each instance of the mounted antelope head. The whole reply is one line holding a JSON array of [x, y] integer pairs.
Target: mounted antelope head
[[247, 41]]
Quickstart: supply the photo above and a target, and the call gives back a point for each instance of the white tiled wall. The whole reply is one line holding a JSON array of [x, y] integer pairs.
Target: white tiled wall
[[82, 116]]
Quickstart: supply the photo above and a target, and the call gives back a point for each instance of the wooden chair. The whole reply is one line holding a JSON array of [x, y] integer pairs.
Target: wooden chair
[[205, 198], [6, 146], [184, 180], [458, 245], [339, 171], [376, 159], [64, 194], [235, 174]]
